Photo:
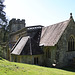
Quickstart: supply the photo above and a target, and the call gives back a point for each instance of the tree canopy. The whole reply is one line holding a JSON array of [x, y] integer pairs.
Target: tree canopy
[[3, 21]]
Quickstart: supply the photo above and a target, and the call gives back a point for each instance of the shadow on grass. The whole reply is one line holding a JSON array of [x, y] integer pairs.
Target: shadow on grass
[[72, 69]]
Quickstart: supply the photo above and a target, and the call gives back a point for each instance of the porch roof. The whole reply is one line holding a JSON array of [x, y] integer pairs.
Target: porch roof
[[18, 49], [27, 46]]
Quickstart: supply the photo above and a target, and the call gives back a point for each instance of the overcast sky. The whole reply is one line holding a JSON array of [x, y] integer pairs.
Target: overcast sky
[[40, 12]]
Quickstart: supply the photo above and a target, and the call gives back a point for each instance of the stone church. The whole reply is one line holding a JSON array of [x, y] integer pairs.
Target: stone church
[[54, 44]]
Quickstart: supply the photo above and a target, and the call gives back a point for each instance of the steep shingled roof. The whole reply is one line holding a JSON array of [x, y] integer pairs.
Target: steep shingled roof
[[17, 50], [51, 34], [26, 46]]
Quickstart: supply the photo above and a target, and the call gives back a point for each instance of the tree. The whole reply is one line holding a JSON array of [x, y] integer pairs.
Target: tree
[[2, 13], [3, 21]]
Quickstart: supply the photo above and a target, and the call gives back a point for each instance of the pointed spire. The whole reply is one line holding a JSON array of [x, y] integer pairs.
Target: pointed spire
[[71, 15]]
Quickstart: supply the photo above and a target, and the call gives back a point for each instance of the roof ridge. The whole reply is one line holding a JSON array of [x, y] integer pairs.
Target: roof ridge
[[57, 23]]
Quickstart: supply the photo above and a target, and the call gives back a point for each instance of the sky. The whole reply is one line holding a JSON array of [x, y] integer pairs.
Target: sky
[[40, 12]]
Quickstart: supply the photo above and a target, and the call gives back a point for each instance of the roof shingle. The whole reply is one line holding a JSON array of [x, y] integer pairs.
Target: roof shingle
[[17, 50], [51, 34]]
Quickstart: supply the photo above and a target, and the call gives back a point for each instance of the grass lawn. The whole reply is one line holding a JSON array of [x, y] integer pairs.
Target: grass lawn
[[12, 68]]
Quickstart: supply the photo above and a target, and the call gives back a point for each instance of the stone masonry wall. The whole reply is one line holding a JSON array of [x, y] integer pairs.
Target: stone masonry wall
[[64, 56], [52, 51], [29, 59]]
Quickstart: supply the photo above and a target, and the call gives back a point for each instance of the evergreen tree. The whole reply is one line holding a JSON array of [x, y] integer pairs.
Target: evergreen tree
[[2, 13], [3, 21]]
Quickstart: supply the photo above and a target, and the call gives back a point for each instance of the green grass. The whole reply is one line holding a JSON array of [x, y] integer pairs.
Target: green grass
[[12, 68]]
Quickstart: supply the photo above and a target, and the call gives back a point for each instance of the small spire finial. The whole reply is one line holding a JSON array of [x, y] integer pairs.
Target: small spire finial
[[70, 15]]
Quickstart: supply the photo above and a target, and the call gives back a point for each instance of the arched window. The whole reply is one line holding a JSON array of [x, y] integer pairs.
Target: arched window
[[48, 53], [71, 43]]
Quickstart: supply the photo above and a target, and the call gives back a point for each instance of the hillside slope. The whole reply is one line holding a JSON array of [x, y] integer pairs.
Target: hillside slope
[[12, 68]]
